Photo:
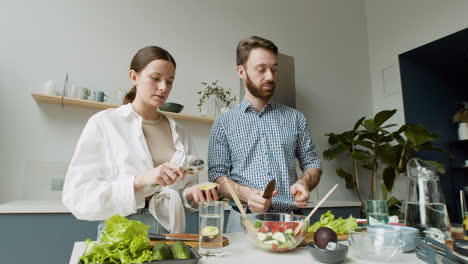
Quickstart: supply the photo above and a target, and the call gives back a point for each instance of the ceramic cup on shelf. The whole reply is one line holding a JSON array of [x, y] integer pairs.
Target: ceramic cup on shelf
[[99, 96], [74, 91], [49, 88], [83, 93]]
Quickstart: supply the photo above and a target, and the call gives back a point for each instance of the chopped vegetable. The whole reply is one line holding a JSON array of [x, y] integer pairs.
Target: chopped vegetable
[[123, 241], [340, 225], [180, 251]]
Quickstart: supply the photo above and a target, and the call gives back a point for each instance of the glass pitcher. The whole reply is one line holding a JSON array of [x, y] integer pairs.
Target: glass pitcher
[[425, 208]]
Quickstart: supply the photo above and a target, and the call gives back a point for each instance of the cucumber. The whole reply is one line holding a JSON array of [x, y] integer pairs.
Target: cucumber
[[289, 231], [161, 251], [279, 236], [264, 236], [180, 251], [271, 242]]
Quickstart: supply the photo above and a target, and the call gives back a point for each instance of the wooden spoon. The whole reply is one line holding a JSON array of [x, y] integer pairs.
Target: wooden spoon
[[299, 227], [250, 228]]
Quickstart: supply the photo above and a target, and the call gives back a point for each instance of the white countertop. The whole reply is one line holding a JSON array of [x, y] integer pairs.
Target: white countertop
[[33, 207], [238, 251], [56, 206]]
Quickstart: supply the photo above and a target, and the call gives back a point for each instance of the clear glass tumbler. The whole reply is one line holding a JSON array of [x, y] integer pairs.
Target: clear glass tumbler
[[211, 217], [377, 212]]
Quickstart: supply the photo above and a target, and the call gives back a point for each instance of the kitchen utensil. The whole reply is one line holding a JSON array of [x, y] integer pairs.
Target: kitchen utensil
[[328, 256], [193, 239], [171, 107], [269, 189], [444, 251], [427, 254], [195, 166], [425, 208], [274, 231], [374, 243], [299, 227], [164, 237], [250, 228], [461, 246]]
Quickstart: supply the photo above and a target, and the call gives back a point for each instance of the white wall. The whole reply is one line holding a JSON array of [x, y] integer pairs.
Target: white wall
[[398, 26], [94, 42]]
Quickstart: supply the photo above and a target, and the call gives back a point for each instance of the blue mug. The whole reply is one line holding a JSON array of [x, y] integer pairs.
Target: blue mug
[[99, 96]]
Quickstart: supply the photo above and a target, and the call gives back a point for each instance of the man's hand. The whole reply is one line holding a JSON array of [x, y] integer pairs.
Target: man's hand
[[301, 194], [258, 204]]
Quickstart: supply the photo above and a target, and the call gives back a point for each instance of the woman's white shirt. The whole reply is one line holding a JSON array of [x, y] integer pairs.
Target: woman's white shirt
[[111, 151]]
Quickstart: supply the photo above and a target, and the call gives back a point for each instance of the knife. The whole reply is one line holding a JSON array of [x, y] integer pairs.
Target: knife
[[269, 189], [163, 237]]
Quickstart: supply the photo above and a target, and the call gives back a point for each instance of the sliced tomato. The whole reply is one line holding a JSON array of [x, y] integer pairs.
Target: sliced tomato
[[269, 225], [274, 247], [263, 229]]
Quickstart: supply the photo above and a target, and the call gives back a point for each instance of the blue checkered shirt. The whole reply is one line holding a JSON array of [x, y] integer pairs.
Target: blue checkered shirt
[[253, 148]]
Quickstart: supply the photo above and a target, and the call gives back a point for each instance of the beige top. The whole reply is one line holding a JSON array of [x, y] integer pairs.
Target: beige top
[[159, 139]]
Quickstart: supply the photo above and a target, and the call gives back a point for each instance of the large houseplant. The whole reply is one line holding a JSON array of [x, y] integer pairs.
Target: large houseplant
[[385, 154]]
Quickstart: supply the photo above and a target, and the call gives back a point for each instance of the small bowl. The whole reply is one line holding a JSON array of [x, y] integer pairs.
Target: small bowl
[[327, 255], [171, 107], [276, 232], [408, 235], [375, 243]]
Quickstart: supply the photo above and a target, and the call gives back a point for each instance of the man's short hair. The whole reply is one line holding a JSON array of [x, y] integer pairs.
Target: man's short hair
[[246, 45]]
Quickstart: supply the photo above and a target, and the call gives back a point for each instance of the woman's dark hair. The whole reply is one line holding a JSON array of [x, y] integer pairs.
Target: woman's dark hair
[[246, 45], [142, 58]]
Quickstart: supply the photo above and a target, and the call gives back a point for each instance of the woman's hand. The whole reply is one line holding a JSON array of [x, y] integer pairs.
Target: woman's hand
[[164, 175], [197, 195]]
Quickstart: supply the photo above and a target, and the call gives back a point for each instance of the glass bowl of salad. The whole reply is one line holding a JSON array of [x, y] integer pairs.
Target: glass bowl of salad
[[276, 232]]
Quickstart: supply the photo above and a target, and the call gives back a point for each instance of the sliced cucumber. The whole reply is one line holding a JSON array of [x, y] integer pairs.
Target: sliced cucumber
[[261, 236], [210, 231], [289, 231], [270, 242], [279, 236]]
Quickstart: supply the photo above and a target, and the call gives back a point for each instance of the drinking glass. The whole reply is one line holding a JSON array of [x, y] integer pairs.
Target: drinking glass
[[377, 212], [211, 216]]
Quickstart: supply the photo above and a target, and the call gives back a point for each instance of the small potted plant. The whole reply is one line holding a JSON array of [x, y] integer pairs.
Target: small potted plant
[[461, 117], [216, 90]]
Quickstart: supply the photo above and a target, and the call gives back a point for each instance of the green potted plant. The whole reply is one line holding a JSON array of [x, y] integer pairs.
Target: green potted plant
[[369, 144], [216, 90]]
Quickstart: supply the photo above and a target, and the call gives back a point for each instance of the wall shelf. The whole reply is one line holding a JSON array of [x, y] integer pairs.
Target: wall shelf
[[53, 99]]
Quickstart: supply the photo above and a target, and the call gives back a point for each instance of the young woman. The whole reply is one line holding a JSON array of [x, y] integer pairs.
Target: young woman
[[129, 160]]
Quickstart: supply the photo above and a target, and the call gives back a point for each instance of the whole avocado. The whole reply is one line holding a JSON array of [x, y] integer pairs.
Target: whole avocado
[[324, 235]]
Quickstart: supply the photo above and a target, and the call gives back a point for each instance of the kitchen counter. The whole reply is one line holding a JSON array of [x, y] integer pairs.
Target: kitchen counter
[[238, 251], [33, 207], [56, 206]]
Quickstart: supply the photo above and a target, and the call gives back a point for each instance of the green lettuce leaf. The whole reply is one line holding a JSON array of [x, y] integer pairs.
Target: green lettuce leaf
[[340, 225], [123, 241]]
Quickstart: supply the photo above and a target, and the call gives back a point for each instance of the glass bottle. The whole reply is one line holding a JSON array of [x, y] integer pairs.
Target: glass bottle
[[425, 208]]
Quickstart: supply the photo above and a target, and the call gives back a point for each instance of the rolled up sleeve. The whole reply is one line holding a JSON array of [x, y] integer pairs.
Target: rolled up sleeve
[[306, 151]]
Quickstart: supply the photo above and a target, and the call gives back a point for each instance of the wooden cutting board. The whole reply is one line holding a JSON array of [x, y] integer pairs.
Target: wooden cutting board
[[193, 244], [310, 238]]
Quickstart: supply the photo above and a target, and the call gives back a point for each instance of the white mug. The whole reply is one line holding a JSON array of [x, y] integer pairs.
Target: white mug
[[83, 93], [49, 88], [74, 91]]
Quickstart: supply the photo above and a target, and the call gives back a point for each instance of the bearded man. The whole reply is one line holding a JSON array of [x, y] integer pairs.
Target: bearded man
[[260, 140]]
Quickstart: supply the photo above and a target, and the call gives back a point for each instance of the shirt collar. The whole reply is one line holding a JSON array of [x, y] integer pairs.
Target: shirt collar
[[245, 105]]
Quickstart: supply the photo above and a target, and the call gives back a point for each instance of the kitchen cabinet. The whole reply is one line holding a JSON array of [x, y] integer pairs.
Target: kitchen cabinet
[[69, 101]]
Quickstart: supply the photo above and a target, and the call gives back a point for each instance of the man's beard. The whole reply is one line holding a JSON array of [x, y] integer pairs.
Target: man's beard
[[258, 91]]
